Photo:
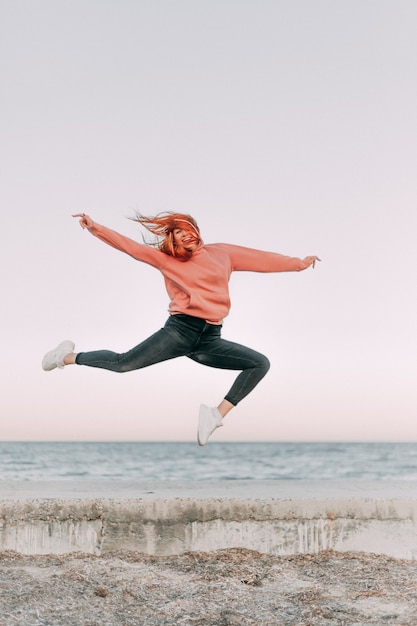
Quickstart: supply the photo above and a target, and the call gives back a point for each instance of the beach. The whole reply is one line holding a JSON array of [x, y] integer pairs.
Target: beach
[[226, 587], [296, 553]]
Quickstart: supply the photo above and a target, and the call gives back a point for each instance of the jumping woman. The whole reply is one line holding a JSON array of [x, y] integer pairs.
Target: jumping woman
[[196, 278]]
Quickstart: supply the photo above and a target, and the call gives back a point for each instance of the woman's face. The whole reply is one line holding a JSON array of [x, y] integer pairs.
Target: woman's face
[[185, 238]]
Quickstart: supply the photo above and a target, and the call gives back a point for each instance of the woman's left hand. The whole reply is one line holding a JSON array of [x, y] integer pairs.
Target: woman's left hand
[[311, 261]]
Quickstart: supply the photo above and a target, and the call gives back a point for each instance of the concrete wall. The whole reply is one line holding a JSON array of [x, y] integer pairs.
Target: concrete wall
[[173, 525]]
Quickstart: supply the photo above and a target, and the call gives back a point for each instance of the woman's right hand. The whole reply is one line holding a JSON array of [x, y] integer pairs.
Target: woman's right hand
[[85, 221]]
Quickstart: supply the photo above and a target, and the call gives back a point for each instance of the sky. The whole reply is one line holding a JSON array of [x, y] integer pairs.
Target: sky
[[287, 126]]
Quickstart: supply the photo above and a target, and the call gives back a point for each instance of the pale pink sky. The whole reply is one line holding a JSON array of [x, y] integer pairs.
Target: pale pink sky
[[286, 126]]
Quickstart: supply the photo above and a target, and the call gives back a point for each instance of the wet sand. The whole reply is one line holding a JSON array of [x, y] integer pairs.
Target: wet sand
[[228, 587]]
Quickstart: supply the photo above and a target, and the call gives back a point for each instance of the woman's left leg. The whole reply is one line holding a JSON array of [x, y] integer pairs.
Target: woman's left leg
[[216, 352]]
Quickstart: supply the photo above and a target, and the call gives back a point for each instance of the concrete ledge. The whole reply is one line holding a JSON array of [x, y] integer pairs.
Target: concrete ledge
[[274, 517]]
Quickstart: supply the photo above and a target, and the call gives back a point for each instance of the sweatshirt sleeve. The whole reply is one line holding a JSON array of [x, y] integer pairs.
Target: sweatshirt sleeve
[[251, 260], [139, 251]]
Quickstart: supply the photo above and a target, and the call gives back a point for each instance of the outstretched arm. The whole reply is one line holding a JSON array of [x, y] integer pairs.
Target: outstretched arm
[[139, 251], [252, 260]]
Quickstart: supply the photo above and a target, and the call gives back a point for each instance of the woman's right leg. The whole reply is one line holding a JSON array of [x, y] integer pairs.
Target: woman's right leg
[[167, 343]]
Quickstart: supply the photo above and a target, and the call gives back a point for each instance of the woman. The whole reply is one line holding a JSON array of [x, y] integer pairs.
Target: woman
[[196, 278]]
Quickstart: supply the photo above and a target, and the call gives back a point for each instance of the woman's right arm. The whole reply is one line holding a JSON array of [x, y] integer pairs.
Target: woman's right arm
[[139, 251]]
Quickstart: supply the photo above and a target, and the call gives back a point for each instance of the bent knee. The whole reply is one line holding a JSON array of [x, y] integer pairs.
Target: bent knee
[[264, 363]]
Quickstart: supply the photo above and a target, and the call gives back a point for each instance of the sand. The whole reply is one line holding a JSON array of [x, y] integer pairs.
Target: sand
[[228, 587]]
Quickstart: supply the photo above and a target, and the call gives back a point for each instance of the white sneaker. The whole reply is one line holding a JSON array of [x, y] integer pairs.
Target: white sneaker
[[55, 358], [208, 420]]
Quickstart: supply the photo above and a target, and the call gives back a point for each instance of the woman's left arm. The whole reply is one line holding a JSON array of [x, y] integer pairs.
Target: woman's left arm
[[251, 260]]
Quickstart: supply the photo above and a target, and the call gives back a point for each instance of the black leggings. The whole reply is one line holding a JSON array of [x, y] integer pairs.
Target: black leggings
[[184, 335]]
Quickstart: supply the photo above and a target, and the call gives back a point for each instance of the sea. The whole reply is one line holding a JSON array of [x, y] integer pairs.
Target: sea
[[217, 461]]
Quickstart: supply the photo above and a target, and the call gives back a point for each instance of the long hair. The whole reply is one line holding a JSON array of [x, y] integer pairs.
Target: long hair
[[163, 225]]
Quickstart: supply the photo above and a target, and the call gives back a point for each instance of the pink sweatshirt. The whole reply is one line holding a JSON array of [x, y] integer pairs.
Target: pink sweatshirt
[[200, 286]]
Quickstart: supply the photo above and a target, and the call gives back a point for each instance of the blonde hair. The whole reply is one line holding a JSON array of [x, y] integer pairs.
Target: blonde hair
[[163, 225]]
